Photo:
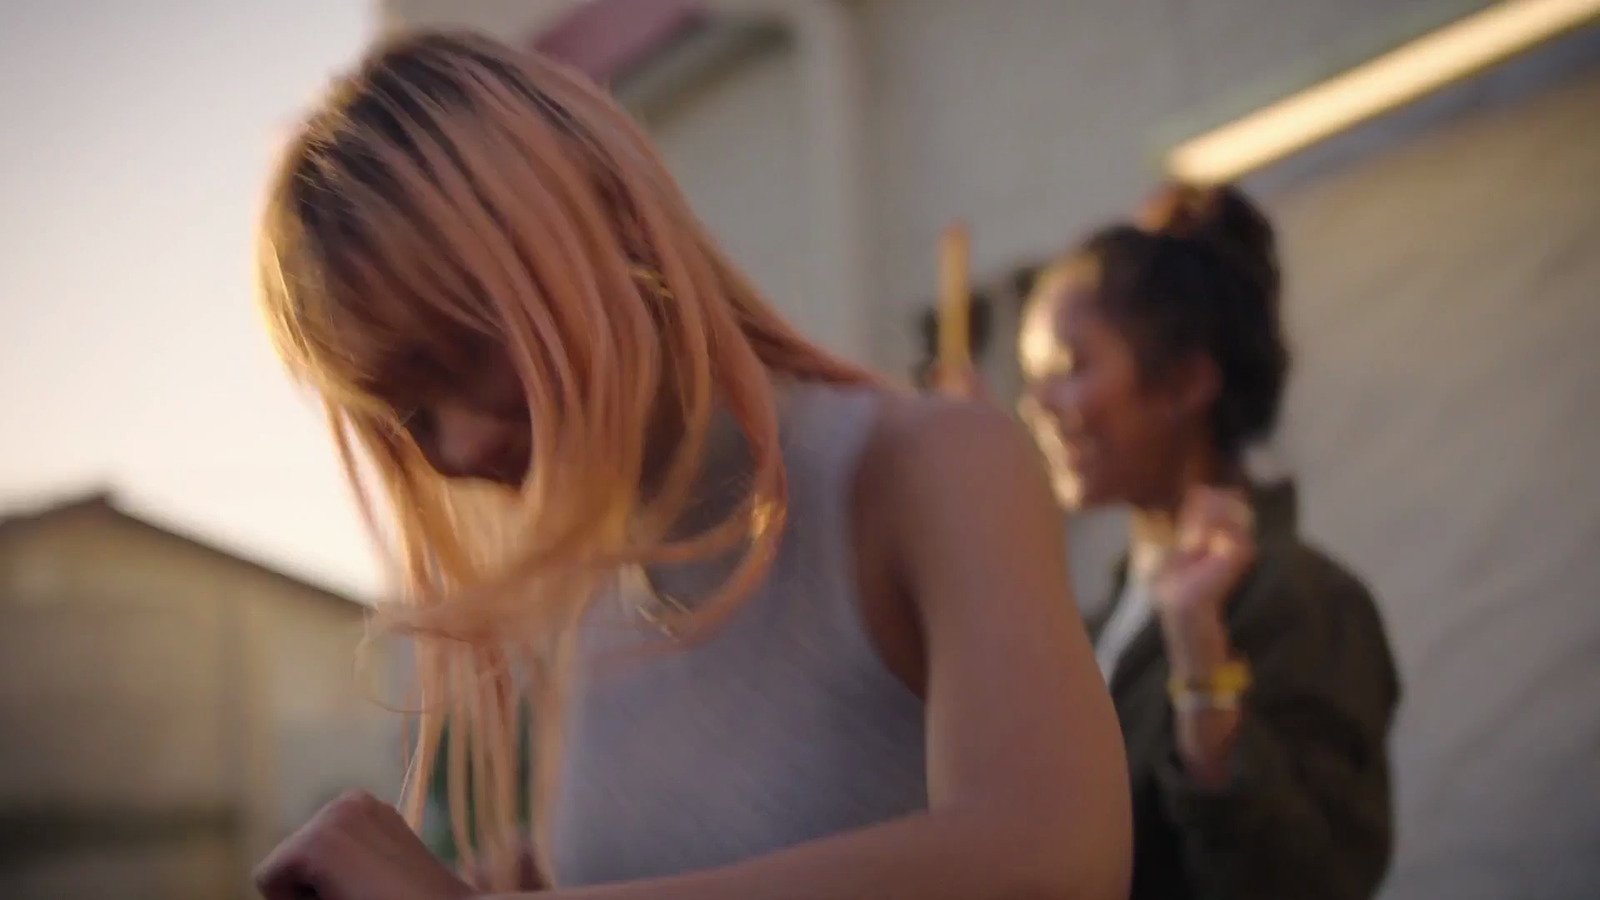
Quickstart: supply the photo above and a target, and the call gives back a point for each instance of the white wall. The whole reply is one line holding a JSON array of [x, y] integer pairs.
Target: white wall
[[1030, 119], [1442, 417], [136, 142], [759, 194]]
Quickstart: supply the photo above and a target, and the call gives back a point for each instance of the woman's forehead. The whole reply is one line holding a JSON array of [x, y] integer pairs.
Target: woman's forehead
[[1039, 342], [1061, 291]]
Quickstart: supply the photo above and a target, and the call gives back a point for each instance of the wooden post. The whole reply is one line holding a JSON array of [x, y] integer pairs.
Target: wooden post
[[955, 299]]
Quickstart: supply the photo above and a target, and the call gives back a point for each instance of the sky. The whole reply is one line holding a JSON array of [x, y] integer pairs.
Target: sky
[[137, 138]]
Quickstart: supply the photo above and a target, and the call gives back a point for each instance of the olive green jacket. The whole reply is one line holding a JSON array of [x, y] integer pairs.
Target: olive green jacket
[[1308, 813]]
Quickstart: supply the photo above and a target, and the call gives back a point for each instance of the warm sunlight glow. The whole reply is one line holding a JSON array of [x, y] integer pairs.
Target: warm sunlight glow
[[1389, 81]]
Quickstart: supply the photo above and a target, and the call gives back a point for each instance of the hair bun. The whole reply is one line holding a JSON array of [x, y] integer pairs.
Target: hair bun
[[1180, 210], [1223, 218]]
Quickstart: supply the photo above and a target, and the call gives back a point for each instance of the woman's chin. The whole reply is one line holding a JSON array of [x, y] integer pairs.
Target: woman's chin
[[1081, 493], [1068, 490]]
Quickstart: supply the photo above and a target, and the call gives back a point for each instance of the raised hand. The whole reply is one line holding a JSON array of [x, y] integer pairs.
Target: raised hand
[[1215, 549]]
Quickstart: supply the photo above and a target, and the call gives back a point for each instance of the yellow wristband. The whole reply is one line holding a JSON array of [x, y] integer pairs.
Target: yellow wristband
[[1192, 702], [1229, 680]]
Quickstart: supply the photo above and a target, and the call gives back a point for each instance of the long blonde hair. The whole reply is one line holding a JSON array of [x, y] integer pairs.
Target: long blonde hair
[[452, 191]]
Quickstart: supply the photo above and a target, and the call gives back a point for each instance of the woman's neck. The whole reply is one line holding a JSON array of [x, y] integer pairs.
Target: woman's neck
[[720, 482], [1152, 528], [1154, 520]]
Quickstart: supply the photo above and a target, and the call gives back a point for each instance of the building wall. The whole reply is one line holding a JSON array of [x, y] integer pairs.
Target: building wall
[[1442, 421], [1030, 124], [175, 711], [199, 865], [758, 188], [510, 17], [102, 677]]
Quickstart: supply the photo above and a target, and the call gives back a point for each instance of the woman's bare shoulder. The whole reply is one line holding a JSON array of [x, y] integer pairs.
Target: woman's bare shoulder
[[912, 427], [935, 456]]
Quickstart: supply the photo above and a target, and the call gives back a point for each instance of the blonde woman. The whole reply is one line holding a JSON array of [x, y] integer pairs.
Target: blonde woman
[[787, 634]]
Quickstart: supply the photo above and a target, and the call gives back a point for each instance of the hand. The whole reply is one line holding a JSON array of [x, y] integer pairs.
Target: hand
[[1216, 547], [357, 848]]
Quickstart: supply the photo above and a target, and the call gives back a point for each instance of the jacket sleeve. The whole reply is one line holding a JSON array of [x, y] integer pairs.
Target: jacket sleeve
[[1307, 812]]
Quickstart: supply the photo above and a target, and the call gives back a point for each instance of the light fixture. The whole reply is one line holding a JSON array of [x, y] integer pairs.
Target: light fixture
[[1457, 50]]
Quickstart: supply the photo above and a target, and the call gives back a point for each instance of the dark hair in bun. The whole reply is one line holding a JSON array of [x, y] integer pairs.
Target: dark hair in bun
[[1199, 273]]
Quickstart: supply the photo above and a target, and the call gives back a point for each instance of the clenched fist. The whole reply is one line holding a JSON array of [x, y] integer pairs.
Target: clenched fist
[[357, 848], [1215, 549]]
